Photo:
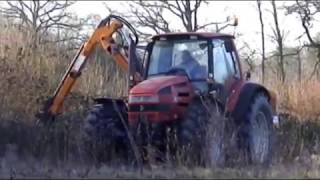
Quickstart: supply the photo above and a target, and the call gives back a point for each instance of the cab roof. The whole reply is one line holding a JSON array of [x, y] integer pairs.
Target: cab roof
[[198, 34]]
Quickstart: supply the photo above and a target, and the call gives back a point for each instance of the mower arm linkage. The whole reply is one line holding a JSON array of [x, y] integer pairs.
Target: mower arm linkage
[[103, 35]]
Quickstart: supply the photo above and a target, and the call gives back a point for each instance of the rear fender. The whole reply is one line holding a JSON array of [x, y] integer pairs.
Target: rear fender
[[247, 93]]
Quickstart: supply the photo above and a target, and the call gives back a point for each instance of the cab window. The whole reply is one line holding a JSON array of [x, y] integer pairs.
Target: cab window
[[223, 61]]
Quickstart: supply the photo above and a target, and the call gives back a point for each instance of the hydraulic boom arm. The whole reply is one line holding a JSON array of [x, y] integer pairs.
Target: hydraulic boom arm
[[103, 35]]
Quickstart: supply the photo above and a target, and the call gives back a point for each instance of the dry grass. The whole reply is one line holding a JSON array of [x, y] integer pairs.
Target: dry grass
[[31, 77], [13, 167], [301, 100], [28, 79]]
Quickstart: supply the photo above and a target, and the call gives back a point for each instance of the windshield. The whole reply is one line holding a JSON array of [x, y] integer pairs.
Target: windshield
[[190, 55]]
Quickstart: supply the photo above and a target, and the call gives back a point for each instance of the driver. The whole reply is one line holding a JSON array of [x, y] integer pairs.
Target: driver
[[188, 63]]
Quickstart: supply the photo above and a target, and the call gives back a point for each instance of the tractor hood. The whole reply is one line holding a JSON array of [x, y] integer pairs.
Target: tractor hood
[[154, 84]]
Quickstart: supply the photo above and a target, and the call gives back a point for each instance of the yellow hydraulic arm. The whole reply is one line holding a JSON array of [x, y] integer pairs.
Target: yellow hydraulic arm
[[103, 35]]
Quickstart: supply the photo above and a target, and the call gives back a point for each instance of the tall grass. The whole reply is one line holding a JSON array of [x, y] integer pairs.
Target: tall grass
[[28, 79], [299, 99]]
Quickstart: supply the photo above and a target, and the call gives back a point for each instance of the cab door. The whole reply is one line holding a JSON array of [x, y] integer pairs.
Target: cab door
[[225, 68]]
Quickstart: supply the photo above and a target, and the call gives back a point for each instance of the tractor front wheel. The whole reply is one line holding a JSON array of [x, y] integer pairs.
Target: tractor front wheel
[[201, 135], [105, 138]]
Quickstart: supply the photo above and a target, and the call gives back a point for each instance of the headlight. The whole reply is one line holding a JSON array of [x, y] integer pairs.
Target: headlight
[[145, 99]]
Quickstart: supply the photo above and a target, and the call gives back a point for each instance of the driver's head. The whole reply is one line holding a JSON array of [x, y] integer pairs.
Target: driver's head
[[186, 57]]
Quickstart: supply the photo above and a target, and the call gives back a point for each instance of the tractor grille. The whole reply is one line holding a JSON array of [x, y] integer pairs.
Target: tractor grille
[[149, 107], [183, 94]]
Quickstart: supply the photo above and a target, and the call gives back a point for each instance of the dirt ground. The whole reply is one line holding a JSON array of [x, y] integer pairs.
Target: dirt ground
[[14, 166]]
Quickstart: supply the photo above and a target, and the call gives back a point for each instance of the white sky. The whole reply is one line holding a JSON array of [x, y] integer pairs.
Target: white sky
[[246, 11]]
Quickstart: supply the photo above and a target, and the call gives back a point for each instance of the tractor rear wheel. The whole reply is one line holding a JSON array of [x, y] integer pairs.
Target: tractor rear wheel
[[201, 135], [105, 138], [258, 132]]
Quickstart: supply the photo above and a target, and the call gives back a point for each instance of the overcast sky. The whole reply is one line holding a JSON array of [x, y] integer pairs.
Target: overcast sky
[[246, 11]]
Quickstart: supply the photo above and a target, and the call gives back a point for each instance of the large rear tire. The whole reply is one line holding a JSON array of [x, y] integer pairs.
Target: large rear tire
[[105, 138], [258, 132], [201, 135]]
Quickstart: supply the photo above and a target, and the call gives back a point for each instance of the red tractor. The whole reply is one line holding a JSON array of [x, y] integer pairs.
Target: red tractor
[[186, 94]]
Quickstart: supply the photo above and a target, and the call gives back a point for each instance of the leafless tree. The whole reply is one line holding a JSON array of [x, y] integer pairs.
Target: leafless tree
[[296, 52], [262, 41], [248, 55], [307, 10], [278, 37], [38, 17], [150, 14]]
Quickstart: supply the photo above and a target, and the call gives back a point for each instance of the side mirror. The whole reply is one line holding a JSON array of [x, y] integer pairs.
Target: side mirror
[[248, 75], [235, 22]]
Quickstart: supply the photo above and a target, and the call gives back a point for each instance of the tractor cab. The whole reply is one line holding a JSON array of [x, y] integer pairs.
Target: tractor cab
[[202, 57], [179, 66]]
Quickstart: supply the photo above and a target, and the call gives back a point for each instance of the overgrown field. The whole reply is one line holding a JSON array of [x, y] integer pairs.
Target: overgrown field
[[26, 153], [29, 78]]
